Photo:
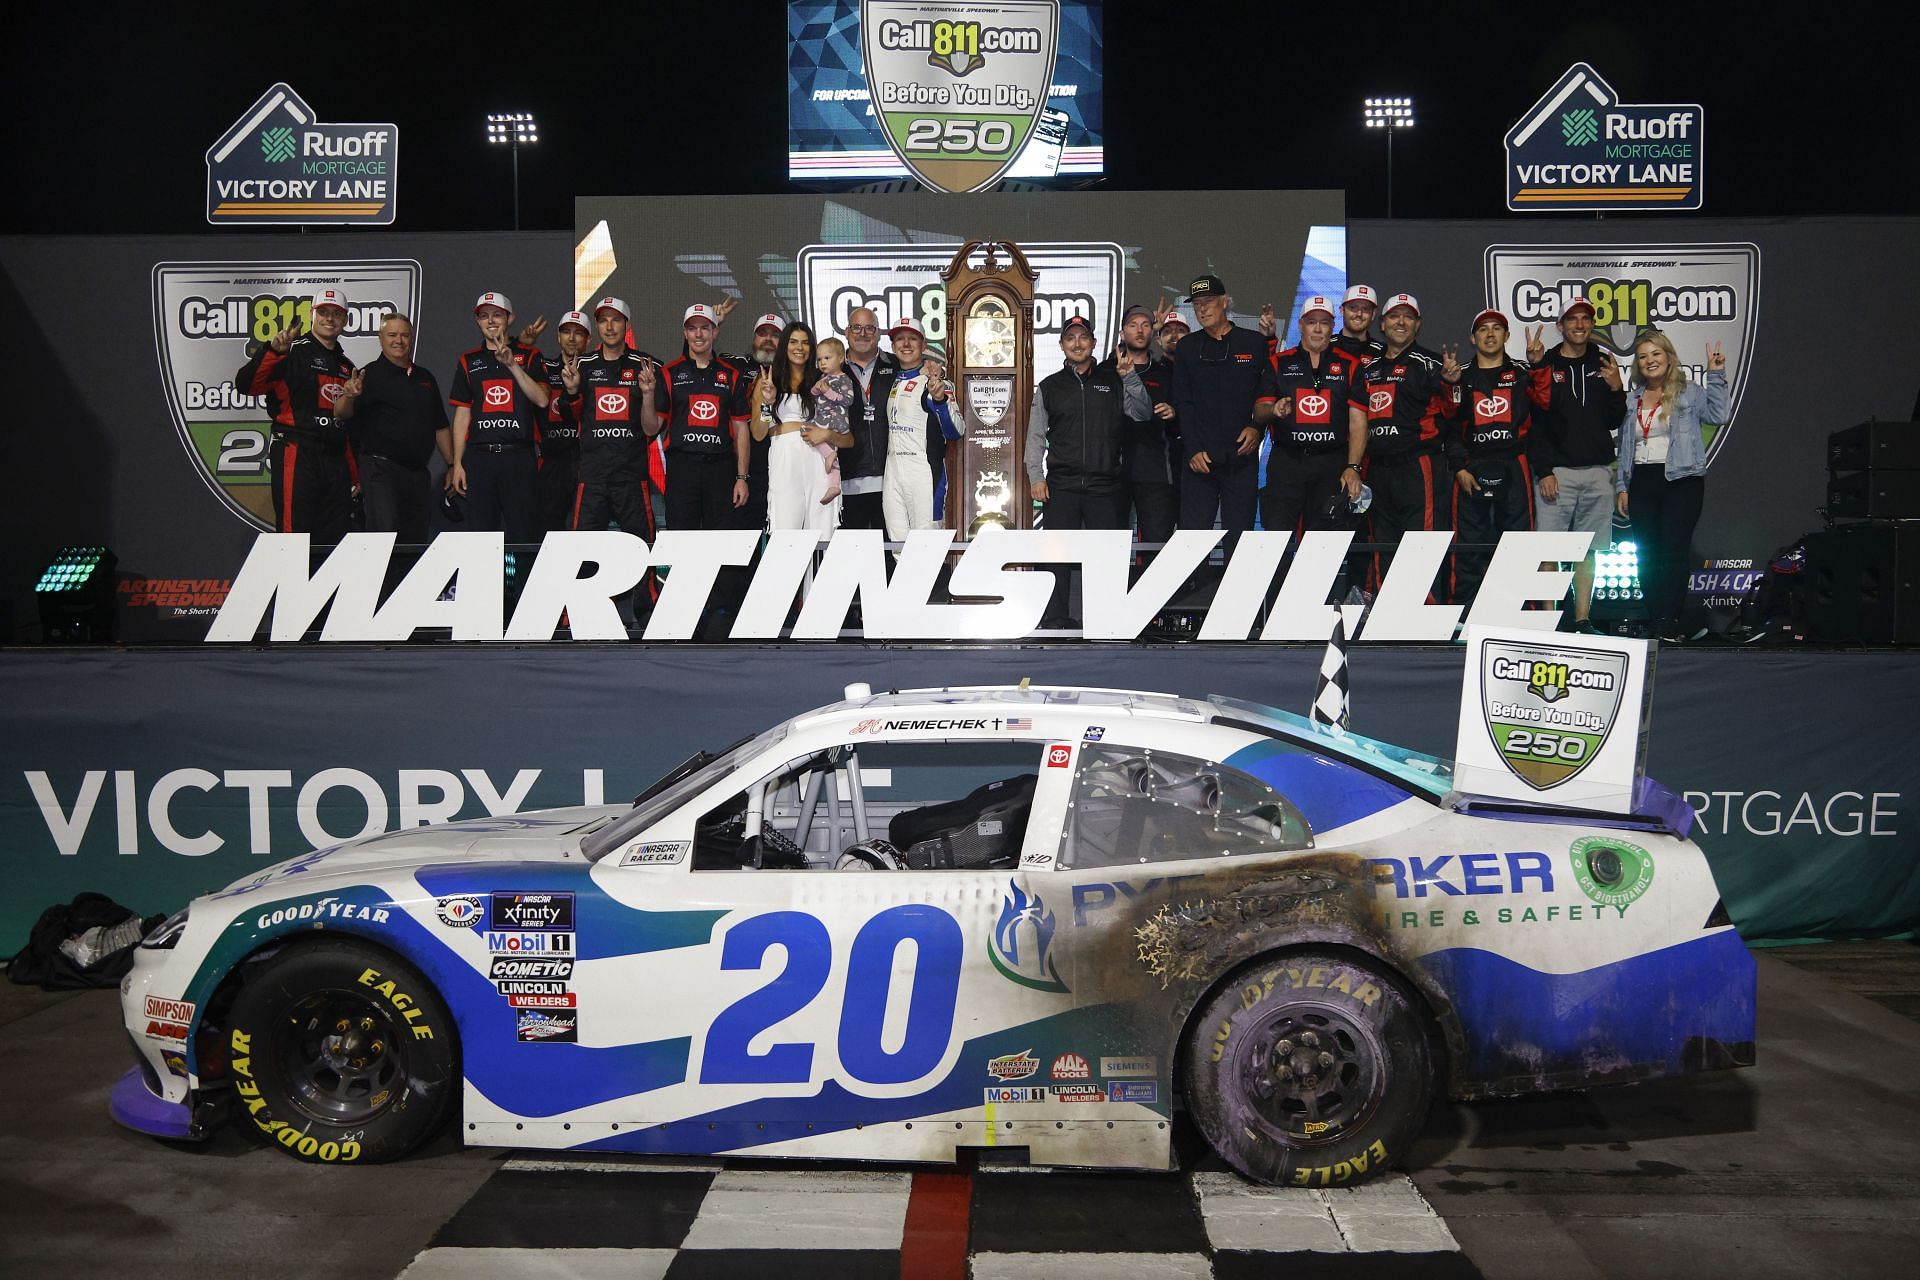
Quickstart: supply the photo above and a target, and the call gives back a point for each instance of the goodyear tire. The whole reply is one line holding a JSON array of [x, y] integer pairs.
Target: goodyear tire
[[1308, 1069], [341, 1053]]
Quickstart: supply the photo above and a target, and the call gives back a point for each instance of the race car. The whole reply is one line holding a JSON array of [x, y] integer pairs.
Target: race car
[[1072, 909]]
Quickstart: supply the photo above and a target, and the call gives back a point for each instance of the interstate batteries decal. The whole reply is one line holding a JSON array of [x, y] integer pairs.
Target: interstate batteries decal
[[958, 88], [205, 314]]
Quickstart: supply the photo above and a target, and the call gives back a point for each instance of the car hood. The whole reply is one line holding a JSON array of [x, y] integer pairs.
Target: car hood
[[548, 835]]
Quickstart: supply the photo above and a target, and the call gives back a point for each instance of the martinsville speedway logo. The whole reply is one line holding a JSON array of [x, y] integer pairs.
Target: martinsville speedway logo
[[578, 575], [1697, 294], [204, 316]]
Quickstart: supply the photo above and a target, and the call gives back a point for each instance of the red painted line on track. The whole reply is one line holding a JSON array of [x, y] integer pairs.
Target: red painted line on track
[[934, 1246]]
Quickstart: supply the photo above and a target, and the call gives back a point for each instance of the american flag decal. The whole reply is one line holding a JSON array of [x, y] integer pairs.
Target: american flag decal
[[1019, 722]]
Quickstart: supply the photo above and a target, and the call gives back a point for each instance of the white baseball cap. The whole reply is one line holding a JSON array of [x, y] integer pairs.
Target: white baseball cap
[[769, 321], [1402, 300], [580, 318], [907, 324], [1174, 317], [611, 303], [1361, 293], [499, 300], [701, 311], [329, 298], [1316, 303], [1489, 314]]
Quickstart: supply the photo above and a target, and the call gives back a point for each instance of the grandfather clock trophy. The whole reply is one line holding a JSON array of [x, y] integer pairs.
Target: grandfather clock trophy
[[990, 365]]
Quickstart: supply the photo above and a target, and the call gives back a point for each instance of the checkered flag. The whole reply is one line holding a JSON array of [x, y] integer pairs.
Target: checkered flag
[[1330, 705]]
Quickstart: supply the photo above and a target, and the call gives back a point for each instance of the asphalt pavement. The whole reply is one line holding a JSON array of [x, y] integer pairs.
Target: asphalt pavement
[[1807, 1164]]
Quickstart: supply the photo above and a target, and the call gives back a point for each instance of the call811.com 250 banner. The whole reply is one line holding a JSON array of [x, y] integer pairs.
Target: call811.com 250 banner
[[817, 258], [204, 316]]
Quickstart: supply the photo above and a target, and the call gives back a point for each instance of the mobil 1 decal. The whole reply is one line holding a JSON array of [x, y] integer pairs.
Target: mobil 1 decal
[[206, 315], [959, 87], [1549, 709], [1697, 294]]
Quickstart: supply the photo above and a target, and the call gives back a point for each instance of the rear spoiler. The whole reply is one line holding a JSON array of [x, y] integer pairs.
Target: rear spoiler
[[1654, 809]]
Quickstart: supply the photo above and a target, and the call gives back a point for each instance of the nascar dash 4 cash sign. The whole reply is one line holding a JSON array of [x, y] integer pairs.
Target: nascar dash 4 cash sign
[[206, 316], [958, 88]]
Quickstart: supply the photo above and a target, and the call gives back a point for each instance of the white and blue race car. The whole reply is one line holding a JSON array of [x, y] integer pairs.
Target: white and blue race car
[[1075, 907]]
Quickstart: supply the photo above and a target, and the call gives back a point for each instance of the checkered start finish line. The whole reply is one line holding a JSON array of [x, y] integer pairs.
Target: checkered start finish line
[[681, 1219]]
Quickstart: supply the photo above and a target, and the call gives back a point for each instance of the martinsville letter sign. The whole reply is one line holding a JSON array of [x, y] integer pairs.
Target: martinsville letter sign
[[1580, 147], [579, 575]]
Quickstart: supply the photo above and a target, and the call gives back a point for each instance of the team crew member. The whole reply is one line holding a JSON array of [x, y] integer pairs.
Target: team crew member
[[613, 463], [913, 403], [701, 404], [1406, 400], [312, 480], [499, 393], [1171, 328], [395, 422], [560, 432], [1153, 443], [766, 349], [1218, 374], [1578, 402], [1318, 437], [1356, 319], [863, 466], [1487, 450], [1076, 440]]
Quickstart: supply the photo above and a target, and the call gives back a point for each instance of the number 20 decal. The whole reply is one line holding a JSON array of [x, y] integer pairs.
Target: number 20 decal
[[809, 958]]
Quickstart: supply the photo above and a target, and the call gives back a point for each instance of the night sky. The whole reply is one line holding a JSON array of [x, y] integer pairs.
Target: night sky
[[110, 116]]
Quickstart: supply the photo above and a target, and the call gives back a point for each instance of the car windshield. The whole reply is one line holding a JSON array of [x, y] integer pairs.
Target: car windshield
[[664, 797], [1430, 774]]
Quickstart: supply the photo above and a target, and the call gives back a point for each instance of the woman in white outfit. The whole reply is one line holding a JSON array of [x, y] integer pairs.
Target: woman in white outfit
[[796, 479]]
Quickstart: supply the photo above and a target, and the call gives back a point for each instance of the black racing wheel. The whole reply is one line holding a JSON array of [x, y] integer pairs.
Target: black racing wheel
[[342, 1053], [1309, 1069]]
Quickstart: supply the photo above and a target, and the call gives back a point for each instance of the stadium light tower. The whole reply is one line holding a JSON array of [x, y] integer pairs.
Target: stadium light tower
[[1391, 114], [511, 129]]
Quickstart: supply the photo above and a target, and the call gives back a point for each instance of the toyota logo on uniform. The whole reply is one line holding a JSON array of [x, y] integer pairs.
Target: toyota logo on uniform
[[1381, 401], [497, 396], [1313, 406], [612, 403], [703, 409], [1491, 408], [330, 391]]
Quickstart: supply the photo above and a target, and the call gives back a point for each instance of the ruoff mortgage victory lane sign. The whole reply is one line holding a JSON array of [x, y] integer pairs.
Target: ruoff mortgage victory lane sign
[[279, 166], [958, 87], [1580, 147]]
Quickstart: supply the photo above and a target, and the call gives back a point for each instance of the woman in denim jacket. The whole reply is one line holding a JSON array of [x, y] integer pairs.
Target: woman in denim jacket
[[1663, 466]]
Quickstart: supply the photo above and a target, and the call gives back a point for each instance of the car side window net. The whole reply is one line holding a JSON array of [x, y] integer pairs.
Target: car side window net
[[1133, 805]]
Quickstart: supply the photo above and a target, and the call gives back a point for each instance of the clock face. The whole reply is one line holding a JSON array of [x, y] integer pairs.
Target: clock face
[[990, 334]]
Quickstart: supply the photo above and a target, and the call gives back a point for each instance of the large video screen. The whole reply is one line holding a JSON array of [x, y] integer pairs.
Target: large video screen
[[834, 136]]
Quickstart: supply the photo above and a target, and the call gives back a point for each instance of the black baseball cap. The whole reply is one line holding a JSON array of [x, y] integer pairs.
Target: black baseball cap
[[1206, 287], [1077, 319]]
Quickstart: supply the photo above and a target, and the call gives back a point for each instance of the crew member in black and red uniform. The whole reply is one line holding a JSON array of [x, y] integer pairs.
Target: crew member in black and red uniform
[[1487, 446], [1318, 437], [1406, 400], [1355, 339], [499, 393], [613, 465], [560, 432], [312, 473], [700, 405]]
